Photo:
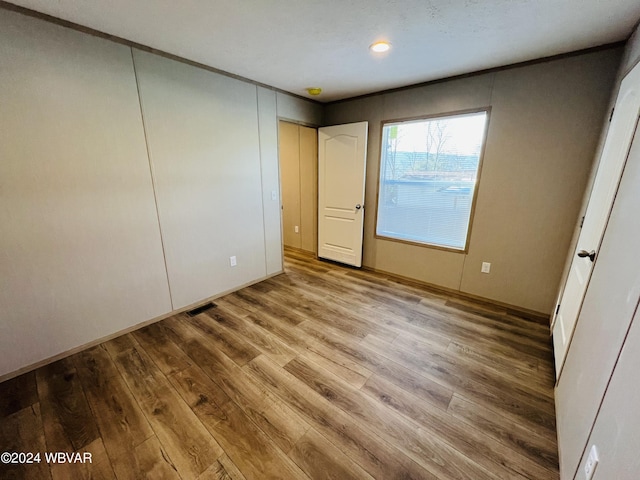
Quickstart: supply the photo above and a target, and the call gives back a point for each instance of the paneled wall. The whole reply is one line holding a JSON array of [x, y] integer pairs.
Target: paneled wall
[[203, 138], [616, 432], [80, 248], [102, 227], [543, 130]]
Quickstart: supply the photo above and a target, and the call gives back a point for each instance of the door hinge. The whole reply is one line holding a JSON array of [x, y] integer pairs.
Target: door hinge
[[611, 116], [582, 221], [557, 309]]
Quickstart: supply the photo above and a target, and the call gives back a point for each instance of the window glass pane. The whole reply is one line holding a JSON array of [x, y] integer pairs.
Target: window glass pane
[[428, 175]]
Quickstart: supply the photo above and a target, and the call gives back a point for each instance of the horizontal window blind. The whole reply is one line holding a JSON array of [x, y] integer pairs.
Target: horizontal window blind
[[428, 176]]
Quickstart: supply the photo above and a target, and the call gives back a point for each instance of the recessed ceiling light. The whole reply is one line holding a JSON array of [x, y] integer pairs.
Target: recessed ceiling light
[[314, 91], [380, 47]]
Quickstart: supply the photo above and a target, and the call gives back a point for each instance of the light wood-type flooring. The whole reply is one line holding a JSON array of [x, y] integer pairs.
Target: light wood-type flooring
[[323, 372]]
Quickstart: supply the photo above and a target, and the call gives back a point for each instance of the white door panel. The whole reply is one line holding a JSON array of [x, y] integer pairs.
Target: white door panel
[[340, 160], [612, 161], [342, 153]]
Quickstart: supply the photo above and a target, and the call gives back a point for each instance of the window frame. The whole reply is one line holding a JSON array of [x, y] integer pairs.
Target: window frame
[[383, 123]]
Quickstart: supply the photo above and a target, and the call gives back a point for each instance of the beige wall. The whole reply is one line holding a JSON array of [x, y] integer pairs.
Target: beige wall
[[203, 139], [81, 253], [101, 233], [543, 130]]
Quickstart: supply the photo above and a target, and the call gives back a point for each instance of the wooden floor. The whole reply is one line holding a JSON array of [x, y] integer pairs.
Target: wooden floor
[[322, 372]]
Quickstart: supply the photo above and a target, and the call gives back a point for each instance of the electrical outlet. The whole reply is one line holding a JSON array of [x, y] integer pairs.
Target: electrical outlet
[[486, 267], [592, 463], [296, 229], [232, 261]]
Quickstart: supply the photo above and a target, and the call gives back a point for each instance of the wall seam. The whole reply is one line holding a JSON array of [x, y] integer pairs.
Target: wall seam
[[264, 223], [153, 179]]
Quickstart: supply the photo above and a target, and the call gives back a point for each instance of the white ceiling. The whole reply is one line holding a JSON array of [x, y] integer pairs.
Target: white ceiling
[[295, 44]]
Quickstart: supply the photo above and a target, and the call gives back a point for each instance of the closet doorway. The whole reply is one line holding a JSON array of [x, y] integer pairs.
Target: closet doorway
[[298, 147]]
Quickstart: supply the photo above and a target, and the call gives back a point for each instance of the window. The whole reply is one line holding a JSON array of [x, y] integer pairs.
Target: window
[[428, 174]]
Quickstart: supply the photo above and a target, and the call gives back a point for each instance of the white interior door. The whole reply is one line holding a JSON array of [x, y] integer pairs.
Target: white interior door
[[342, 157], [610, 303], [612, 160]]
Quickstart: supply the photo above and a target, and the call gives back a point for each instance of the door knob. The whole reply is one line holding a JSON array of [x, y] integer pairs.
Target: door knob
[[591, 254], [358, 207]]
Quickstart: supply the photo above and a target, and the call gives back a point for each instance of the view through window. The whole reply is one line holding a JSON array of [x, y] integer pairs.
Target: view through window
[[428, 174]]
